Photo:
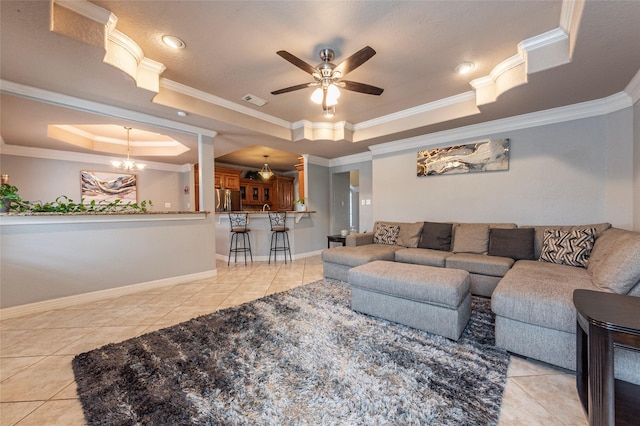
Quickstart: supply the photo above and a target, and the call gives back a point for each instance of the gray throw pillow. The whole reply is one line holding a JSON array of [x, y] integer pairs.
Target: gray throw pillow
[[514, 243], [436, 236]]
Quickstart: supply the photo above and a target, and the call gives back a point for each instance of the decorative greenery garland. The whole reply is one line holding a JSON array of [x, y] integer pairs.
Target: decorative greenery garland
[[64, 204]]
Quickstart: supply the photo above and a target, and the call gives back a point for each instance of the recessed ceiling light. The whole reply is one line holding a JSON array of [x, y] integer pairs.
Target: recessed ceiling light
[[465, 67], [182, 113], [173, 42]]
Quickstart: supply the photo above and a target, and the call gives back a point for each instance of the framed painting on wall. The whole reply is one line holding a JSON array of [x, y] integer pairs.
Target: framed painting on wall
[[109, 186], [484, 156]]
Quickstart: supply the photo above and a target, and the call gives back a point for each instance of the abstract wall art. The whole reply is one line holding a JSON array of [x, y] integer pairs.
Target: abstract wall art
[[482, 156], [107, 186]]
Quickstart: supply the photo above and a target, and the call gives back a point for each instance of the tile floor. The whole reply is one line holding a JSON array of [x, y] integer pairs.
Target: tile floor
[[37, 385]]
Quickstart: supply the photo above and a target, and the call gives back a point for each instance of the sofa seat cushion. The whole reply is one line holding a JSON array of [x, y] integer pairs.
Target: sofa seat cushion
[[419, 256], [482, 264], [356, 256], [541, 294]]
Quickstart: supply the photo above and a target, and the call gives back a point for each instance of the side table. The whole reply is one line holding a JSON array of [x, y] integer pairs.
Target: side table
[[336, 239], [605, 320]]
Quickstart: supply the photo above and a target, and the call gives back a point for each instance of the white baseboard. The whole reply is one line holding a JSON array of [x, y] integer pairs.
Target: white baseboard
[[65, 302]]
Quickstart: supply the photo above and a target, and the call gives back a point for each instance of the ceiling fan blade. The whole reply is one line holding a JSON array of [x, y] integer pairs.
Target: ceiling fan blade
[[292, 88], [355, 60], [361, 87], [297, 62]]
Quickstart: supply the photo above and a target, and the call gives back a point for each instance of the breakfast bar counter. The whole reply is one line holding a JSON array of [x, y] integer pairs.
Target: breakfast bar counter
[[260, 232]]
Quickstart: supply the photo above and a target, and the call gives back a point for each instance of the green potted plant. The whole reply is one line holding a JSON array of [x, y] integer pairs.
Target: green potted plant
[[8, 193], [300, 205], [252, 174]]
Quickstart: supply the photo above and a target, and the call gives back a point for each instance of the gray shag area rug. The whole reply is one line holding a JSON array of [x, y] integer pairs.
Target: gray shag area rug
[[300, 357]]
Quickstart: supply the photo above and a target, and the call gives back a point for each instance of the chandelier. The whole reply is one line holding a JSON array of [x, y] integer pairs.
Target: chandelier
[[265, 173], [127, 164]]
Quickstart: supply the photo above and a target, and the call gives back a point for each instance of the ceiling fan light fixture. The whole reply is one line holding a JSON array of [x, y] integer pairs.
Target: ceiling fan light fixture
[[316, 96], [329, 112], [333, 93]]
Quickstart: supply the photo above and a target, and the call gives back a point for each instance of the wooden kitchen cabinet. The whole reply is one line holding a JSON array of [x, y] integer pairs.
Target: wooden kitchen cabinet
[[283, 193], [254, 192], [227, 178], [277, 192]]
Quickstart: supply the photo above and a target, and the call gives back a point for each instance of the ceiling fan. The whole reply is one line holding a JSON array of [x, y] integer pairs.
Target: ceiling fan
[[328, 77]]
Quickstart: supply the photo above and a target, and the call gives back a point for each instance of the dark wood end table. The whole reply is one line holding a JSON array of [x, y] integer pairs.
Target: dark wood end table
[[336, 239], [605, 320]]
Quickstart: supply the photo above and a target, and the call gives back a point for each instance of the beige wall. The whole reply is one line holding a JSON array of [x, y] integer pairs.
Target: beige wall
[[573, 172]]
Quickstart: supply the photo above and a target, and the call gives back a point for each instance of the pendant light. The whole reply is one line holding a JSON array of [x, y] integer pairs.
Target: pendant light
[[127, 164], [265, 173]]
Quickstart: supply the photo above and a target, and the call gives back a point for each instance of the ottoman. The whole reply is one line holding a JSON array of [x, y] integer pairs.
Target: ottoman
[[428, 298]]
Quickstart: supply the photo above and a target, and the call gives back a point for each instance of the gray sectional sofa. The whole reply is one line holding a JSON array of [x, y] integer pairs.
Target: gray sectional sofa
[[528, 272]]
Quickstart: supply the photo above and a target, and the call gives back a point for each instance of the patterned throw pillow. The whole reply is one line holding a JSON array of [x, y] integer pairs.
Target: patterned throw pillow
[[567, 247], [386, 234]]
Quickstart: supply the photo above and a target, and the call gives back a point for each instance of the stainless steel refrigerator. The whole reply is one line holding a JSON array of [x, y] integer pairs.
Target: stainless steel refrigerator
[[228, 200]]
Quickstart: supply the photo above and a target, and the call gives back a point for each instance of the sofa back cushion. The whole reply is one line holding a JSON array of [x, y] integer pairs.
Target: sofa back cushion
[[408, 234], [615, 261], [539, 230], [436, 236], [474, 237], [516, 244]]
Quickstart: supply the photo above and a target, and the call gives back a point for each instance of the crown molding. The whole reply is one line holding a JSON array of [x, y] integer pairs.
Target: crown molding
[[90, 11], [319, 130], [633, 88], [71, 102], [318, 161], [121, 51], [79, 157], [362, 157], [543, 51], [420, 109], [542, 118]]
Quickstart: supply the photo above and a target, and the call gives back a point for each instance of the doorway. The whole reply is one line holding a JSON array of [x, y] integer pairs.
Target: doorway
[[346, 201]]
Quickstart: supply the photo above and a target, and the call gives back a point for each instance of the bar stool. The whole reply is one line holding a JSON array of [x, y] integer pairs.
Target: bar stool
[[279, 231], [238, 222]]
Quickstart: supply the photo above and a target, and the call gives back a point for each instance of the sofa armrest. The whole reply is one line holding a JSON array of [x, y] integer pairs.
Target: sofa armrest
[[361, 239]]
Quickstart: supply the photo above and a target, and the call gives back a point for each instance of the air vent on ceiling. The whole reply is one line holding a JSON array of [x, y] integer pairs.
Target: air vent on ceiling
[[253, 99]]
